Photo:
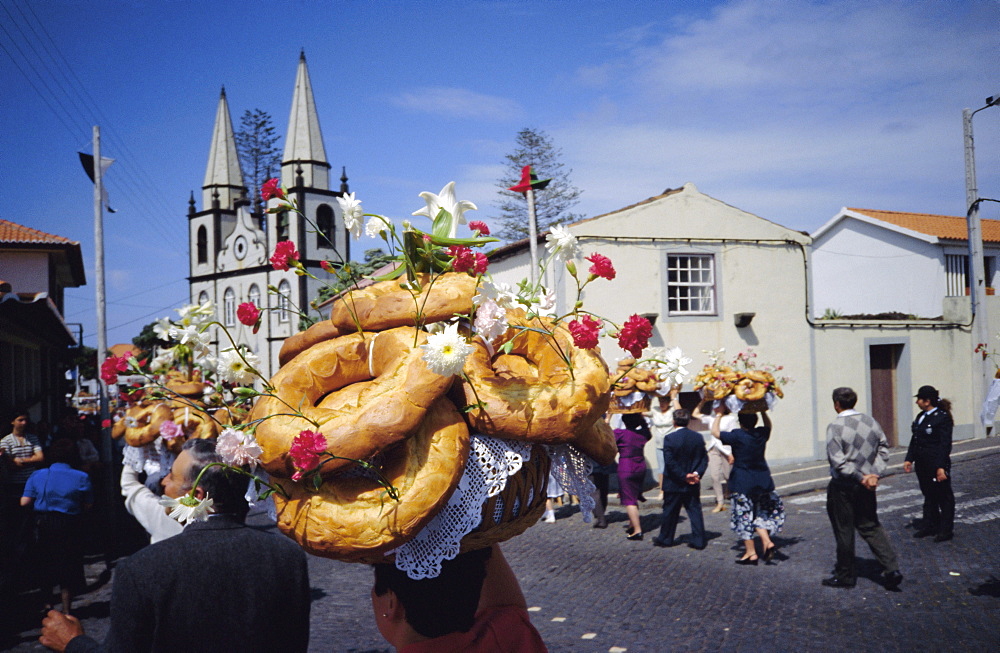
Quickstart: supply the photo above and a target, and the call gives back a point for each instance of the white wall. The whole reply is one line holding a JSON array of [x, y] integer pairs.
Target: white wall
[[860, 268], [25, 271]]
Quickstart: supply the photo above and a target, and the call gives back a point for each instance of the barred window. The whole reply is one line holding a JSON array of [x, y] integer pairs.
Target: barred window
[[691, 284]]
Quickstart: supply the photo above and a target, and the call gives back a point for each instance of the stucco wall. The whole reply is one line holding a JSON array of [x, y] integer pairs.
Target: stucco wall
[[25, 271]]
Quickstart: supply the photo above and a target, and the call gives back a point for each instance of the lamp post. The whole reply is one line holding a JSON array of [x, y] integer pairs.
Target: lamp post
[[977, 283]]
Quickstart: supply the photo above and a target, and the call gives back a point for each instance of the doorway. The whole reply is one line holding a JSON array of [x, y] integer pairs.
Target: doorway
[[884, 361]]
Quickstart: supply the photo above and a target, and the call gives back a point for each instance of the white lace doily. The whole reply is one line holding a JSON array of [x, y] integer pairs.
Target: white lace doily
[[736, 405], [152, 458], [491, 462]]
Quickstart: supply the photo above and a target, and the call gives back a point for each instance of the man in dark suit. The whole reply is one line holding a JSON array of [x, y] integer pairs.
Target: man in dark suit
[[684, 461], [219, 585]]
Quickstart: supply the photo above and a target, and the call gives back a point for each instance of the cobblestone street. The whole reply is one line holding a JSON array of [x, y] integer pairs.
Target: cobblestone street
[[591, 590]]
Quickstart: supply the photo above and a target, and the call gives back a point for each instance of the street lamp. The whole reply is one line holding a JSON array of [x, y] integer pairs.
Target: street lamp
[[977, 283]]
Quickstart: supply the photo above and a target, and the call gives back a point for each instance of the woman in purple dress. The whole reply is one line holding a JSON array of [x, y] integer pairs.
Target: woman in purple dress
[[632, 468]]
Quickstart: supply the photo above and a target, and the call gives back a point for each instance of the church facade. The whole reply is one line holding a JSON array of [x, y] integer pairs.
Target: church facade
[[229, 246]]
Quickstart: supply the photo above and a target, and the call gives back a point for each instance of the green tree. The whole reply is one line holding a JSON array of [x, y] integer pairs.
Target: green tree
[[553, 204], [375, 258], [147, 340], [257, 147]]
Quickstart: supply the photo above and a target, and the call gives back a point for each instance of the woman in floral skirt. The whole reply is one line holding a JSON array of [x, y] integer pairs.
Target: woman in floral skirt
[[756, 507]]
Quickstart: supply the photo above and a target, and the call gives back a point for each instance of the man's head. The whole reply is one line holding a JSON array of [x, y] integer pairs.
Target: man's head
[[225, 487], [63, 450], [844, 399], [682, 417], [747, 420], [19, 421], [433, 606]]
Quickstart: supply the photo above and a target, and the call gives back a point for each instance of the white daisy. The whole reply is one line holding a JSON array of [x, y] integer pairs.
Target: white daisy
[[234, 369], [187, 508], [445, 352]]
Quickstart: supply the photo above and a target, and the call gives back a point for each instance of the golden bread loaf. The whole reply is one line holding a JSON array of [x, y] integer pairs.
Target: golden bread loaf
[[148, 418], [296, 344], [387, 304]]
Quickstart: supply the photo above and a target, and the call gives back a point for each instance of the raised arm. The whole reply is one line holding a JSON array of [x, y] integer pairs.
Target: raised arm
[[500, 587]]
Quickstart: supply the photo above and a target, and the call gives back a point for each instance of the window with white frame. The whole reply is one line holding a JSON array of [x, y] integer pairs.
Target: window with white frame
[[229, 307], [284, 291], [253, 295], [691, 284]]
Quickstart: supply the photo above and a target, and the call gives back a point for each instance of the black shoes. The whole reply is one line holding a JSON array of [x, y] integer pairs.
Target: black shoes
[[747, 561], [770, 553], [892, 580], [834, 581], [661, 543], [943, 537], [925, 532], [635, 537]]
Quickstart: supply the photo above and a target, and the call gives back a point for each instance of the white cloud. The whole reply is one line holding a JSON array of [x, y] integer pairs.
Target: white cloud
[[459, 103]]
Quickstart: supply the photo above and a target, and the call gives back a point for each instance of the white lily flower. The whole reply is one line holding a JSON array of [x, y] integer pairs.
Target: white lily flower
[[446, 200], [561, 243], [238, 448], [353, 213], [191, 336], [187, 508], [163, 360], [491, 320], [162, 328], [445, 352], [234, 369], [196, 314]]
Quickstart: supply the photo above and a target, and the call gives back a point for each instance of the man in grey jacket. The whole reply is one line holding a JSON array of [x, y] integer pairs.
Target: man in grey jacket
[[858, 453]]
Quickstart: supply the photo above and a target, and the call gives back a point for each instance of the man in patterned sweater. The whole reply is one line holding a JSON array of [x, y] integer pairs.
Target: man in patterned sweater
[[858, 453]]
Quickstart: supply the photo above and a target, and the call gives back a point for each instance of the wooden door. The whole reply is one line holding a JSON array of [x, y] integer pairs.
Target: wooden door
[[884, 359]]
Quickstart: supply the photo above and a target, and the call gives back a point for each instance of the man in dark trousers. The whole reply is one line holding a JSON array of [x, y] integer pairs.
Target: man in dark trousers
[[684, 461], [858, 452], [217, 586]]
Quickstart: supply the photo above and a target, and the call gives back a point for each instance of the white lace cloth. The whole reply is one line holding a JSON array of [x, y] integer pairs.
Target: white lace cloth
[[736, 405], [152, 458], [491, 462]]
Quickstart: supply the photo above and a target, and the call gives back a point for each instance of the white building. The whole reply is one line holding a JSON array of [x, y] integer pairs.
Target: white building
[[230, 247], [869, 262]]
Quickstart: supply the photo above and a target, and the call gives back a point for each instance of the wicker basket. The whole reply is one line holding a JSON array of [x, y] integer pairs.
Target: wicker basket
[[641, 406], [525, 492], [755, 406]]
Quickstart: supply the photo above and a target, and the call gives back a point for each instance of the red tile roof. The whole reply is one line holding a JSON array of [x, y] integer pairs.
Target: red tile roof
[[950, 227], [11, 232]]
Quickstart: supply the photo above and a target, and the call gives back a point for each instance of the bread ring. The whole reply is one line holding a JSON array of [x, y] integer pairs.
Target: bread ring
[[386, 304], [759, 376], [195, 423], [549, 406], [296, 344], [147, 419], [350, 518], [598, 442], [396, 391], [118, 429], [742, 388], [185, 386]]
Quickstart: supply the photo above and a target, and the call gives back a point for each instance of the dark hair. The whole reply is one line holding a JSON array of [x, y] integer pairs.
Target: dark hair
[[226, 487], [747, 420], [943, 404], [17, 412], [846, 397], [441, 605], [636, 422], [682, 417], [63, 450]]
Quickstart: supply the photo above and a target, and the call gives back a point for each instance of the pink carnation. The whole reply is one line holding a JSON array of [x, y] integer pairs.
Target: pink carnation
[[284, 254], [585, 331], [480, 226], [601, 267], [248, 314], [171, 429], [635, 335]]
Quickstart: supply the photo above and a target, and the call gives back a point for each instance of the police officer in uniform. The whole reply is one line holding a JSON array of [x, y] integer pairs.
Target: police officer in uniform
[[930, 455]]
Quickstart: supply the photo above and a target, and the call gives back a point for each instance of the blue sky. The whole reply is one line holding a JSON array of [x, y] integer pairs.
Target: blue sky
[[788, 109]]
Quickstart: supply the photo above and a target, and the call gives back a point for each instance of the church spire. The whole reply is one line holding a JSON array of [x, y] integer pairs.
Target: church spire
[[223, 176], [304, 149]]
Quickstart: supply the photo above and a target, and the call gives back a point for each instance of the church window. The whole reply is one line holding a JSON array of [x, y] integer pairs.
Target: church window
[[253, 295], [229, 307], [284, 293], [324, 226], [202, 245], [202, 297]]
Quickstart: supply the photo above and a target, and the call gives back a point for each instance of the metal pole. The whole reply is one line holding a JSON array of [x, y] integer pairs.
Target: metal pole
[[102, 333], [532, 234], [977, 273]]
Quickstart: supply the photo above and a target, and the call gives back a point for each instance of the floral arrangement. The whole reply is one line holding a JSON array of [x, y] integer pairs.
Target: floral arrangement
[[743, 378]]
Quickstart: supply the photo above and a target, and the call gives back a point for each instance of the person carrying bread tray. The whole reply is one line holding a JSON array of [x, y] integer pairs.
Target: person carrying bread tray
[[929, 455]]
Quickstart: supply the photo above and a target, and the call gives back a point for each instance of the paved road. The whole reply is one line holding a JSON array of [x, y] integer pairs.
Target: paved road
[[591, 590]]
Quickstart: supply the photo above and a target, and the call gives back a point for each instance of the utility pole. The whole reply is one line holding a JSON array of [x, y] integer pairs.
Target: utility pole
[[977, 273], [529, 184]]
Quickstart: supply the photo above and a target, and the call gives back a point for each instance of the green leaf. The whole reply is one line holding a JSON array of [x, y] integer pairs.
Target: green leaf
[[442, 224]]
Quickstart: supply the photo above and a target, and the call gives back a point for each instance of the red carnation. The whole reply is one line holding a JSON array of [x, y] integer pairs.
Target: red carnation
[[463, 259], [480, 226], [305, 451], [105, 424], [112, 365], [326, 265], [635, 335], [479, 267], [601, 267], [585, 331], [272, 188], [248, 314], [284, 253]]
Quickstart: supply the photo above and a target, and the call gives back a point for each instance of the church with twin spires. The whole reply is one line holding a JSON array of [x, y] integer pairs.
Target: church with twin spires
[[229, 245]]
